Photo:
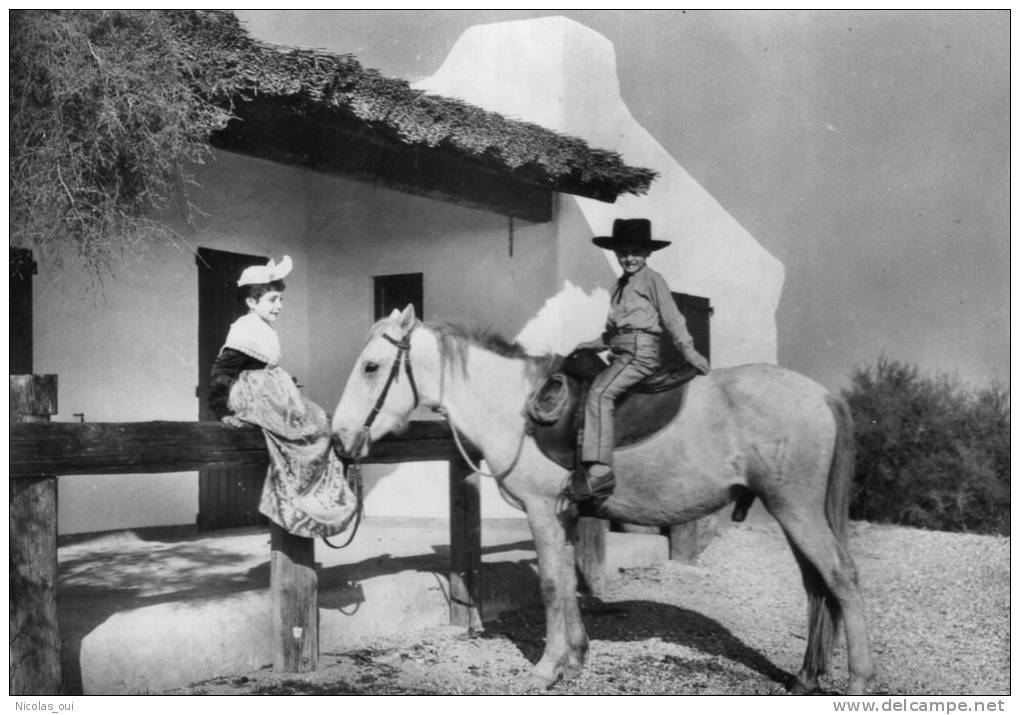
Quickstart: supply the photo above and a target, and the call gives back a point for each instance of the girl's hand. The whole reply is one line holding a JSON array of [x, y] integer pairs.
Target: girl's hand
[[233, 421]]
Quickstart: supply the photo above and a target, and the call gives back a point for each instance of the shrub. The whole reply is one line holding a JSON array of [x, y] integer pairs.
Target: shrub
[[931, 452]]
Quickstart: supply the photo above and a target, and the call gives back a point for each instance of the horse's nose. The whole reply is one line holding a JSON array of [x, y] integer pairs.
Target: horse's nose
[[337, 443], [345, 441], [349, 444]]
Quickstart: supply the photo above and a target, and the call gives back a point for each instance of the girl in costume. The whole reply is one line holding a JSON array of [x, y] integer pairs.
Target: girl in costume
[[305, 491]]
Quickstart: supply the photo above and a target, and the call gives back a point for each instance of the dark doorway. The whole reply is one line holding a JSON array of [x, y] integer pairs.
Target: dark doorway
[[698, 313], [226, 497], [396, 291], [23, 267]]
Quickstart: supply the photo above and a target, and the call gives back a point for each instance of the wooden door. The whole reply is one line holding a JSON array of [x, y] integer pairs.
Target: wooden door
[[226, 497]]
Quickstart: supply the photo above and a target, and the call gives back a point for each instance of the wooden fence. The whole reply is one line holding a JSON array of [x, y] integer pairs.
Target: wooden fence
[[41, 450]]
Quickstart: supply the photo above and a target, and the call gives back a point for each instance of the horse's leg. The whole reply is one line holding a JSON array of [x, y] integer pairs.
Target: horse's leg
[[830, 578], [824, 614], [566, 644]]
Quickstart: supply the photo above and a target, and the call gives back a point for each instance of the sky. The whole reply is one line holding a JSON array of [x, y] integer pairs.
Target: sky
[[866, 150]]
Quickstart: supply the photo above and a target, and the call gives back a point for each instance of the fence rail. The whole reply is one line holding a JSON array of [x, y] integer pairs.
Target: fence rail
[[68, 448]]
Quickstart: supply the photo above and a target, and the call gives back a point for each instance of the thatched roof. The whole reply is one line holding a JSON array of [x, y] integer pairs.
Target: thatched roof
[[325, 91]]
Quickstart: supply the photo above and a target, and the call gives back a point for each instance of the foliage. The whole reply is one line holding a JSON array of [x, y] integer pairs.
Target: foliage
[[108, 109], [931, 452]]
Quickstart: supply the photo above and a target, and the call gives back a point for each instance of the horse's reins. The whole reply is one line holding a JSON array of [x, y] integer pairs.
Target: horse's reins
[[463, 452], [352, 471]]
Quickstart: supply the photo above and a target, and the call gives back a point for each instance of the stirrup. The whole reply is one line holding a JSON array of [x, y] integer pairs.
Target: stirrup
[[590, 493]]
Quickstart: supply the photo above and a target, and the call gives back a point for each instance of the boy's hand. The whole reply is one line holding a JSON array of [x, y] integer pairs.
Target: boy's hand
[[233, 421], [697, 361]]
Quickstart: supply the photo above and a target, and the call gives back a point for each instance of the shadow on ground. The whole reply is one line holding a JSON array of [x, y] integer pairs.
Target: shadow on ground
[[626, 621]]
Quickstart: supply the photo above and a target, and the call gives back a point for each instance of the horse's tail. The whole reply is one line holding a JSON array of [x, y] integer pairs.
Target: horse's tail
[[824, 612], [841, 471]]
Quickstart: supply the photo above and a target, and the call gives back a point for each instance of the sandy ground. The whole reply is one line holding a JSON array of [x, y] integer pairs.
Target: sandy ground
[[937, 603]]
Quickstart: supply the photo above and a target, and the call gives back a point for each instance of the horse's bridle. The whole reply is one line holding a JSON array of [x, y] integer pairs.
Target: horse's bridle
[[403, 347]]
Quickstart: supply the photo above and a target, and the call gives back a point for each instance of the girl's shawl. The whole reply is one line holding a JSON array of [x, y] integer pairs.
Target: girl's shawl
[[253, 336]]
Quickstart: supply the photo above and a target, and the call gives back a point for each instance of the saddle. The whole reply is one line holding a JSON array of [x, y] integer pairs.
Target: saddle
[[556, 408]]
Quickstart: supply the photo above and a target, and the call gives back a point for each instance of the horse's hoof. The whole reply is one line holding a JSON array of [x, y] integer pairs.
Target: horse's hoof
[[799, 687], [572, 669], [857, 686], [537, 681]]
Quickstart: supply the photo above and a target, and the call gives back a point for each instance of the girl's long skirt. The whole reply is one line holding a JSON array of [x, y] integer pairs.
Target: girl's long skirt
[[305, 491]]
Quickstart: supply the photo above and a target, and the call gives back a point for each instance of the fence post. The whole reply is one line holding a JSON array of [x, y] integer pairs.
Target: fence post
[[294, 583], [465, 546], [34, 633], [590, 554]]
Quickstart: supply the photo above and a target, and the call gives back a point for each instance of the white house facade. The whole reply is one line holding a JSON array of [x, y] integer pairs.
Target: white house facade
[[131, 353]]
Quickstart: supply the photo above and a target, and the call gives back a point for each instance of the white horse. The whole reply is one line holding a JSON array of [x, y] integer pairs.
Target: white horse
[[756, 428]]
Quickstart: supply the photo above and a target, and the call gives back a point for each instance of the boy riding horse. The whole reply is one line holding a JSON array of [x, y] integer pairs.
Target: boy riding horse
[[641, 307]]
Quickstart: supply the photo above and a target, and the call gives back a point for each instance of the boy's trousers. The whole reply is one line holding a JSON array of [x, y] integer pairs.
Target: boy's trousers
[[635, 357]]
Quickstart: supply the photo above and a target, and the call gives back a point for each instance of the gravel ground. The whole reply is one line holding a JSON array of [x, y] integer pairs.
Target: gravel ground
[[938, 610]]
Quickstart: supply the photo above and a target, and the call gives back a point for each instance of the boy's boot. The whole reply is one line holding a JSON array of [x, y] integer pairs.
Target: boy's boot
[[592, 486]]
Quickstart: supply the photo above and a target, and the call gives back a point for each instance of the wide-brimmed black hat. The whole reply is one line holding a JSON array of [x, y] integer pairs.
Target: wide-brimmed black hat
[[630, 233]]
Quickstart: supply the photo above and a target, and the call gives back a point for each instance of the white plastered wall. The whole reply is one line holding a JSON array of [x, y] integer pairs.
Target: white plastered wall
[[130, 352], [473, 275], [562, 75]]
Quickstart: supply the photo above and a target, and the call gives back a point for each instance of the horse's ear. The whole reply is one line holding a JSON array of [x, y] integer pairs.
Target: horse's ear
[[407, 318]]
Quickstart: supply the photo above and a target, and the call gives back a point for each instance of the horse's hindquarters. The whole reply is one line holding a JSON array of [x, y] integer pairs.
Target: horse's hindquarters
[[755, 430]]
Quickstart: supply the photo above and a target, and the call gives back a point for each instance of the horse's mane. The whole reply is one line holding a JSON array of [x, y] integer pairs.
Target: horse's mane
[[481, 337], [455, 339]]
